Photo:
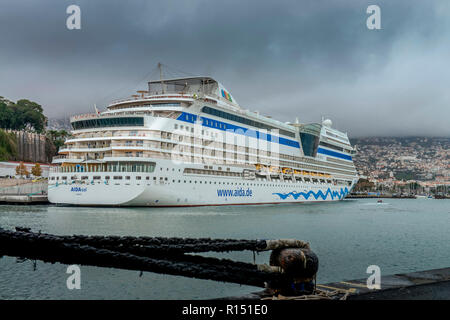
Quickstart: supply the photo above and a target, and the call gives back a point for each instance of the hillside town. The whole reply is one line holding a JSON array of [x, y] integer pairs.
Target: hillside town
[[418, 165]]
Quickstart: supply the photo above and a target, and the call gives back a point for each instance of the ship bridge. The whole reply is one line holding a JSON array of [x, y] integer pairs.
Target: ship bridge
[[199, 86], [171, 92]]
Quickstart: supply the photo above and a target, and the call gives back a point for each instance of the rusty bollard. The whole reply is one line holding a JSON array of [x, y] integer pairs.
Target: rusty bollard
[[297, 262]]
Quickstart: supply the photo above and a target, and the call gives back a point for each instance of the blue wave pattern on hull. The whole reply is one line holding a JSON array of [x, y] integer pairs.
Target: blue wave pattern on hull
[[334, 194]]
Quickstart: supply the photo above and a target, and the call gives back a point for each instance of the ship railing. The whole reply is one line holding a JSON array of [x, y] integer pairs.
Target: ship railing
[[116, 134], [156, 94], [140, 134], [93, 148], [84, 116], [129, 145], [103, 167], [68, 158], [59, 157]]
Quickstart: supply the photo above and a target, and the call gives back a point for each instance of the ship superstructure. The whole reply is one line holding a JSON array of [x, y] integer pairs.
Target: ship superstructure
[[187, 142]]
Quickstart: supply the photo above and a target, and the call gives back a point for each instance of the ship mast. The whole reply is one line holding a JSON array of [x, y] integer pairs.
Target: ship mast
[[161, 76]]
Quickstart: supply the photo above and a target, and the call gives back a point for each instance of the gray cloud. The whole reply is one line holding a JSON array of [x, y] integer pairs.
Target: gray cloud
[[284, 58]]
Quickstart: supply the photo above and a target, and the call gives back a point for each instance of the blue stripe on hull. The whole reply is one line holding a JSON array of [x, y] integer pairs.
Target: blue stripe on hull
[[334, 194], [334, 154]]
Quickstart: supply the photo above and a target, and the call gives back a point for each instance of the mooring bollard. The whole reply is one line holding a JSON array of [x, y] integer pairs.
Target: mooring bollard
[[297, 262]]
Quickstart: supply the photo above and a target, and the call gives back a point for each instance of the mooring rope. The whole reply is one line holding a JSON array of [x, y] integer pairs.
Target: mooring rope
[[51, 248], [155, 245]]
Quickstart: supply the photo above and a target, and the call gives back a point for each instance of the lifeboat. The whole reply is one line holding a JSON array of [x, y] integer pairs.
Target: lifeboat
[[287, 170], [274, 169], [261, 168]]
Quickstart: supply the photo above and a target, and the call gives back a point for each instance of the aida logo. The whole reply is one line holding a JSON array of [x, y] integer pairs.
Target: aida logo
[[78, 189], [226, 95]]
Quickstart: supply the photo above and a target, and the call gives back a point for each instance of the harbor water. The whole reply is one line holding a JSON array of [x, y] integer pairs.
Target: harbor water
[[398, 235]]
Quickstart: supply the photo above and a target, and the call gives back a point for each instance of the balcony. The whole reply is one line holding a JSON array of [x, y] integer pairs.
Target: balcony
[[59, 157], [65, 158], [85, 116]]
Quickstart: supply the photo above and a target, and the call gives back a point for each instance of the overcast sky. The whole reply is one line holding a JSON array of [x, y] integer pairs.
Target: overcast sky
[[287, 59]]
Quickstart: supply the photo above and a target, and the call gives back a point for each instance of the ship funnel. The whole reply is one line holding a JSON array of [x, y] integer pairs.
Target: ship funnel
[[327, 123]]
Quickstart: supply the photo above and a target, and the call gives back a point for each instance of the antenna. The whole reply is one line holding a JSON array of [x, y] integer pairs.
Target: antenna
[[161, 76]]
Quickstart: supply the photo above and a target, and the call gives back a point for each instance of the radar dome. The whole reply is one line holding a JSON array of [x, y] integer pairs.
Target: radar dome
[[327, 123]]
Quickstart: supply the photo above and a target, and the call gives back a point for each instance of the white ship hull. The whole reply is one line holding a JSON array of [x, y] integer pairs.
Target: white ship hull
[[200, 195], [169, 188]]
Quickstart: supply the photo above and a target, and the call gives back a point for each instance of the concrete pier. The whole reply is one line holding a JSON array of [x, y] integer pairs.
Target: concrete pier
[[423, 285], [23, 192], [23, 199]]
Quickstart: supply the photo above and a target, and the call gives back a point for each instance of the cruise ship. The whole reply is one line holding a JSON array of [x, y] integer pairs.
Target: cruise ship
[[187, 142]]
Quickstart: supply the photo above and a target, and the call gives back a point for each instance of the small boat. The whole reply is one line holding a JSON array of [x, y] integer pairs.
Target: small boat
[[380, 201]]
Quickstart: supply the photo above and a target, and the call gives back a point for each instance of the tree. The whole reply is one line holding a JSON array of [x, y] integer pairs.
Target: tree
[[6, 114], [8, 145], [22, 115], [21, 170], [31, 115], [58, 137], [55, 140], [36, 170]]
